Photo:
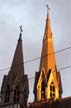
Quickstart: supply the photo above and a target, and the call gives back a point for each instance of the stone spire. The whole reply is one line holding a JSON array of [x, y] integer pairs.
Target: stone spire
[[17, 67], [15, 84]]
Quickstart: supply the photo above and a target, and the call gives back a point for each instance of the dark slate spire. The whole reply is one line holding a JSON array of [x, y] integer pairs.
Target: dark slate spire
[[17, 67], [18, 56]]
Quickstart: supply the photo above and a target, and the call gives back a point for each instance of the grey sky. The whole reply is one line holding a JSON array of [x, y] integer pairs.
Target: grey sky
[[32, 15]]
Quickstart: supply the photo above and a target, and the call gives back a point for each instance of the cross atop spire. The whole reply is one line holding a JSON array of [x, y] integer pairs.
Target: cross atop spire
[[20, 32], [18, 56], [47, 33], [47, 9], [20, 29]]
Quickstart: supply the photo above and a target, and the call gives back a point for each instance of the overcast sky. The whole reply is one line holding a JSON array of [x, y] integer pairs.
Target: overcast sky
[[31, 14]]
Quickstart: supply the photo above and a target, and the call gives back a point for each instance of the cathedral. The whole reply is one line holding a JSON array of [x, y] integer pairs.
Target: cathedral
[[47, 86]]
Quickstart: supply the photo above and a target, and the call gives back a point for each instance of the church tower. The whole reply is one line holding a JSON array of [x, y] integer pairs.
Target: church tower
[[47, 81], [15, 85]]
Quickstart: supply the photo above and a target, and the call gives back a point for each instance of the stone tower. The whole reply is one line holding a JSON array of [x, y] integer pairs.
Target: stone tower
[[47, 81], [15, 87]]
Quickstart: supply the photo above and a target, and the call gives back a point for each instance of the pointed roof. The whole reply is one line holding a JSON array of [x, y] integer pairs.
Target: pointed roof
[[47, 33], [48, 61], [18, 56], [47, 40], [17, 67], [44, 54]]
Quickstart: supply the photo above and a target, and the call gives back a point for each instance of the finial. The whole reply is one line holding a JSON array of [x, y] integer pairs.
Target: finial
[[20, 32], [47, 9], [20, 29]]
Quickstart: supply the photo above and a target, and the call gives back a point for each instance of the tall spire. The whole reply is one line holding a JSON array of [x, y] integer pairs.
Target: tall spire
[[47, 59], [47, 74], [47, 47], [17, 66]]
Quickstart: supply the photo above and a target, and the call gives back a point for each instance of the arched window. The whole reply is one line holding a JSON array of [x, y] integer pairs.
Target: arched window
[[16, 94], [52, 90], [7, 94], [43, 90]]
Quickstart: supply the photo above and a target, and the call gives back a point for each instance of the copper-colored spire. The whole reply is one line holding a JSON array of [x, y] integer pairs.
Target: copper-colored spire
[[48, 61], [47, 45], [47, 70]]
